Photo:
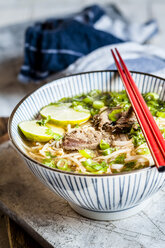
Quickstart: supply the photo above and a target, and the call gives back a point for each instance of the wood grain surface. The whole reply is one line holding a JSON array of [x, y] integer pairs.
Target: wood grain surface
[[3, 129], [18, 238]]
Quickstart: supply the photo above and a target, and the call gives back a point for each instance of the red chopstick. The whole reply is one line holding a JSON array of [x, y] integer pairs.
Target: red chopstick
[[146, 121]]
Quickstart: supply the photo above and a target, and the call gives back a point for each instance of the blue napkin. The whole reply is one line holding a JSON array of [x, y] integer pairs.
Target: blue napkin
[[53, 45]]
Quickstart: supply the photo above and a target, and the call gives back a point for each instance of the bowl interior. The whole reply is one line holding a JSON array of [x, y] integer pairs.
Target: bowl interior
[[69, 86]]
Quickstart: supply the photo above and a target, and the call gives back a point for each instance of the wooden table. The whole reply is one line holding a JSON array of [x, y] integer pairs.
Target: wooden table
[[17, 237]]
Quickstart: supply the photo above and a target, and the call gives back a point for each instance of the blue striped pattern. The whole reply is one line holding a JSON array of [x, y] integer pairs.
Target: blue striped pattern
[[95, 193], [101, 193]]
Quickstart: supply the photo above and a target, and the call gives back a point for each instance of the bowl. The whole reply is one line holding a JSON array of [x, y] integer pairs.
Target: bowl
[[100, 197]]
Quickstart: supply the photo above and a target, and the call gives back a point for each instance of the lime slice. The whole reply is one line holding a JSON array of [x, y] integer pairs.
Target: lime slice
[[63, 115], [35, 132]]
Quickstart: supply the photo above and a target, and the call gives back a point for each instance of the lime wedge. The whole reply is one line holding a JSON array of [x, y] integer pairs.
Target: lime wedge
[[33, 131], [63, 115]]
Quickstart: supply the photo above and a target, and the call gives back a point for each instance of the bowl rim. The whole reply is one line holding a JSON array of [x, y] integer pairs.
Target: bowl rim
[[67, 172]]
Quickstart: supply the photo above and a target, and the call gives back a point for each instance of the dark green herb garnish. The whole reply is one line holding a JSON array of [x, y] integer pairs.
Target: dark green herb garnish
[[43, 122]]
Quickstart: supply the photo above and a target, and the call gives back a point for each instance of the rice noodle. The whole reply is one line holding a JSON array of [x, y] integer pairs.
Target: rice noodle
[[114, 154], [33, 155], [117, 166], [122, 143], [69, 129]]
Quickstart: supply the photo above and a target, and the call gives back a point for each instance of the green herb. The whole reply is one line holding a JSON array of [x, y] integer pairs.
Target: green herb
[[62, 164], [143, 151], [138, 139], [161, 105], [129, 166], [49, 162], [77, 126], [98, 104], [88, 100], [119, 159], [65, 100], [86, 153], [42, 122], [137, 136], [153, 102], [151, 96], [87, 162], [160, 114], [104, 145], [94, 111], [115, 114], [49, 155], [95, 167], [55, 136], [80, 108], [94, 93], [108, 151], [118, 98], [125, 105]]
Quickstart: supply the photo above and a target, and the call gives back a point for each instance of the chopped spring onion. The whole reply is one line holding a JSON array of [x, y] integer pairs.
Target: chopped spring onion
[[87, 162], [62, 164], [129, 166], [98, 104], [49, 162], [88, 100], [160, 114], [80, 109], [49, 155], [92, 166], [143, 151], [108, 151], [44, 121], [119, 159], [86, 153], [151, 96], [138, 140], [56, 136], [115, 114], [137, 136], [104, 145], [95, 93], [94, 111], [77, 126]]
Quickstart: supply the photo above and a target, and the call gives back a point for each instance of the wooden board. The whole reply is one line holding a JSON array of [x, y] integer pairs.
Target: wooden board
[[18, 238]]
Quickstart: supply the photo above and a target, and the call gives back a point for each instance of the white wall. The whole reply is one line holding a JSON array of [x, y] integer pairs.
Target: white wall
[[16, 11]]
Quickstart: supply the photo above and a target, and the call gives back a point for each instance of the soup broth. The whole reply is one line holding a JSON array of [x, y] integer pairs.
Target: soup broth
[[94, 133]]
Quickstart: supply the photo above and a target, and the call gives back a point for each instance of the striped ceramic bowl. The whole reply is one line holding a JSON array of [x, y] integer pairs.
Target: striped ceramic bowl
[[101, 197]]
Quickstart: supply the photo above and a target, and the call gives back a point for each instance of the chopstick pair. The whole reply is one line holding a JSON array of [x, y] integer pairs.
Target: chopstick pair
[[146, 121]]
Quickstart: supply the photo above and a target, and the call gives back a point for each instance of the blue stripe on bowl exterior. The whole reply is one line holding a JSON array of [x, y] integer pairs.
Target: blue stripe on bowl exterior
[[91, 195]]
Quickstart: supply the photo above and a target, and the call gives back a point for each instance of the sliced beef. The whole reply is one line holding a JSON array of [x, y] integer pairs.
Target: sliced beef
[[101, 121], [124, 123], [81, 138]]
